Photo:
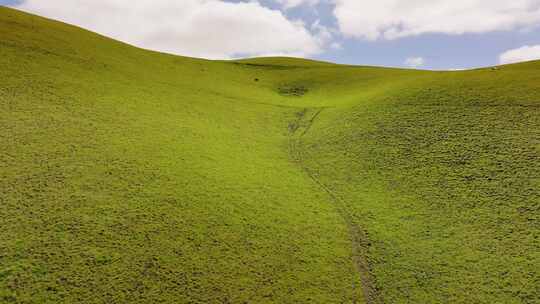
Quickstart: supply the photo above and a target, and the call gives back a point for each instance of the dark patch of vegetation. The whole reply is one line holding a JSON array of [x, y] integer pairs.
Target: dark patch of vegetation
[[266, 66], [293, 90]]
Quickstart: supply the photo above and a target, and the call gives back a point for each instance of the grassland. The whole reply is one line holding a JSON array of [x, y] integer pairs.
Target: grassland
[[129, 176]]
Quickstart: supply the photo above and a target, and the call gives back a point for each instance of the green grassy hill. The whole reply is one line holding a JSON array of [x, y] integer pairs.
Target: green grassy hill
[[129, 176]]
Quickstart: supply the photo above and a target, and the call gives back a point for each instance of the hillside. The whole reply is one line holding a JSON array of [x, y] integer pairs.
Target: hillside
[[130, 176]]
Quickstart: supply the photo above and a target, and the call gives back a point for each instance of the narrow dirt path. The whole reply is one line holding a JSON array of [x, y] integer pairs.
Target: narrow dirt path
[[359, 239]]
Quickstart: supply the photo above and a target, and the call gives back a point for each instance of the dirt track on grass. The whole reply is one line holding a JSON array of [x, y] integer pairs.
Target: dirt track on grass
[[298, 128]]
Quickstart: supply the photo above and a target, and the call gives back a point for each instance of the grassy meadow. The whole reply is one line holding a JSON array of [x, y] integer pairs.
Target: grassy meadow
[[130, 176]]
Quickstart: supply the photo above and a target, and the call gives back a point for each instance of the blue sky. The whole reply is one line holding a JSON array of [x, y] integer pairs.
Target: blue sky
[[430, 34], [440, 51]]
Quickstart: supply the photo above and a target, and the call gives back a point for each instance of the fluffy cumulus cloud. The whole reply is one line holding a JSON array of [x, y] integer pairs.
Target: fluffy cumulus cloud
[[202, 28], [525, 53], [391, 19], [414, 62]]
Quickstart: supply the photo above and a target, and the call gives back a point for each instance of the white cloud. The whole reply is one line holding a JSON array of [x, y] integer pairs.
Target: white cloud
[[294, 3], [414, 62], [391, 19], [202, 28], [525, 53], [324, 34]]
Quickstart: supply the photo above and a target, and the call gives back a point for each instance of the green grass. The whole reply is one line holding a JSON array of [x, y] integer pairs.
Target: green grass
[[129, 176]]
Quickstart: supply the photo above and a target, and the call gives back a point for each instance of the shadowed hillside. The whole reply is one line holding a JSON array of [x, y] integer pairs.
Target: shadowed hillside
[[130, 176]]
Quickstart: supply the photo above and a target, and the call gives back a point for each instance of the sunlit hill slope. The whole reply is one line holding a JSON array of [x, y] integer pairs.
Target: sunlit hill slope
[[129, 176]]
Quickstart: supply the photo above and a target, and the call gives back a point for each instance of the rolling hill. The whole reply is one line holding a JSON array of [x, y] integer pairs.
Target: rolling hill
[[130, 176]]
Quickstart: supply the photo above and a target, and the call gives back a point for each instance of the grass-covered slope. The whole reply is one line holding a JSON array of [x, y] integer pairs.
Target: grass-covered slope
[[128, 176], [444, 177]]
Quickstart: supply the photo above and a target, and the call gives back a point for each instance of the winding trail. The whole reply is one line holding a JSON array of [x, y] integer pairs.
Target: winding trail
[[359, 238]]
